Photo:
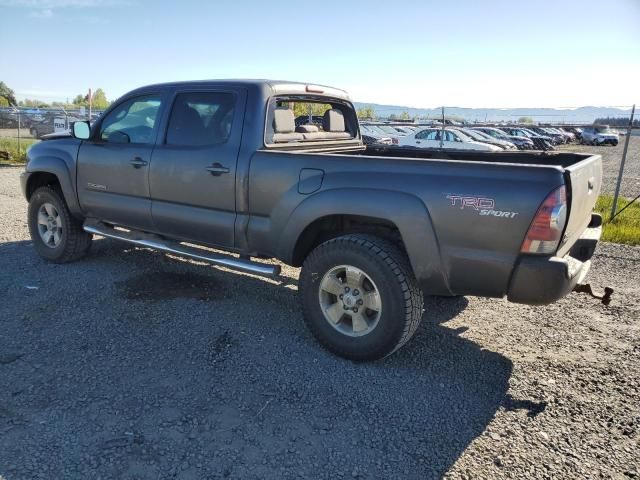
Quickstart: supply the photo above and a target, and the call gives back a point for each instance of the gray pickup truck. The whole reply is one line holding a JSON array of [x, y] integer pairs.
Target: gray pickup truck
[[271, 169]]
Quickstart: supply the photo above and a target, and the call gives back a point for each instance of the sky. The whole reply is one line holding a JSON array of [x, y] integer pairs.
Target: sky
[[422, 53]]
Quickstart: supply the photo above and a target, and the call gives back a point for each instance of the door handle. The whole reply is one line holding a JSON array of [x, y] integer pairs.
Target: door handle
[[417, 141], [137, 162], [217, 169]]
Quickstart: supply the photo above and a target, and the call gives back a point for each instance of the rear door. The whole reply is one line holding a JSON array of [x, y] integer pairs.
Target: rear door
[[193, 168], [113, 166]]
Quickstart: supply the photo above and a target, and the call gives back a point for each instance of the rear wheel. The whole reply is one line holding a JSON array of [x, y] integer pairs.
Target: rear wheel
[[359, 296], [57, 236]]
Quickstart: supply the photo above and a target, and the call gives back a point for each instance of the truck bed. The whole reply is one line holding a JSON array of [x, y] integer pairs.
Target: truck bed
[[351, 181], [561, 159]]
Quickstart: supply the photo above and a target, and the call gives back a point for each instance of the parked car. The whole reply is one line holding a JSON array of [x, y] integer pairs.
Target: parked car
[[479, 136], [577, 132], [404, 129], [220, 164], [47, 126], [522, 143], [569, 137], [370, 136], [391, 130], [556, 137], [451, 139], [9, 119], [540, 142], [599, 135]]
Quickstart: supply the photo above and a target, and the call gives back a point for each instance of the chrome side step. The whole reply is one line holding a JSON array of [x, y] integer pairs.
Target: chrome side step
[[158, 243]]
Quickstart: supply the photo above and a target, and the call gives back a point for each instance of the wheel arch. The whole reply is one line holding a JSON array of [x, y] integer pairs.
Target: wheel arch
[[43, 171], [397, 216]]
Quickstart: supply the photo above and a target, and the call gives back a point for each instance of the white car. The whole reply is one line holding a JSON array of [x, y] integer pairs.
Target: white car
[[404, 130], [453, 139], [391, 130], [599, 135]]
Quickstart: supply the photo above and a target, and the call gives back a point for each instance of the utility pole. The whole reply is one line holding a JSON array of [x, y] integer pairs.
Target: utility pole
[[89, 104], [19, 144], [442, 133], [624, 158]]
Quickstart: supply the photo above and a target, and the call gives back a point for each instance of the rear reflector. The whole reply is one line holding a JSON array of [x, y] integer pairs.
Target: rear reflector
[[545, 232]]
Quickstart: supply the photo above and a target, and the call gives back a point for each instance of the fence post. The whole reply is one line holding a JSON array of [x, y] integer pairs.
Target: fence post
[[19, 144], [624, 158]]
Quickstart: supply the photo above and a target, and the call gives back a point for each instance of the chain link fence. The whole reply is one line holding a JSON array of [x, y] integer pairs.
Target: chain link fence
[[608, 131], [21, 127]]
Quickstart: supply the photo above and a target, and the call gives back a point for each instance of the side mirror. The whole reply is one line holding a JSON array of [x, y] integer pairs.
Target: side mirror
[[81, 130]]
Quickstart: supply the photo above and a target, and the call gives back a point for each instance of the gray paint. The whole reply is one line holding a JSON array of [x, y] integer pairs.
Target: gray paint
[[270, 195]]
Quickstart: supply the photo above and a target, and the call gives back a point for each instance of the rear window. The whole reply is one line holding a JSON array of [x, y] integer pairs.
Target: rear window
[[303, 119]]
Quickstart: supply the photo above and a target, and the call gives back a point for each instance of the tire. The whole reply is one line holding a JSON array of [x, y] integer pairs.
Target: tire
[[386, 271], [73, 242]]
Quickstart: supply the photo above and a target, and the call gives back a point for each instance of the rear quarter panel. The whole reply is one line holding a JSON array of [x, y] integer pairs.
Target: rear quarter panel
[[454, 246]]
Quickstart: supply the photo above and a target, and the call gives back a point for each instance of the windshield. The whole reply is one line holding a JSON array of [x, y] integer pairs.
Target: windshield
[[473, 134], [388, 129], [495, 133], [463, 136], [528, 132], [604, 130], [376, 129]]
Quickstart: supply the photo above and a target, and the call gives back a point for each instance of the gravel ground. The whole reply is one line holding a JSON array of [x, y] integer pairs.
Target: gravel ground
[[611, 157], [132, 364]]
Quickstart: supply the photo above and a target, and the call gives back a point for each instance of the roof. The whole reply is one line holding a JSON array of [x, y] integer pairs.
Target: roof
[[278, 86]]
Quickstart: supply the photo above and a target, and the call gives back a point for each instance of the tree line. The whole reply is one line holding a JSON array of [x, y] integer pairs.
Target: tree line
[[98, 100], [616, 121]]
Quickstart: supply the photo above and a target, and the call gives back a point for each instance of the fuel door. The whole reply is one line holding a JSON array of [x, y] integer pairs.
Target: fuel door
[[310, 180]]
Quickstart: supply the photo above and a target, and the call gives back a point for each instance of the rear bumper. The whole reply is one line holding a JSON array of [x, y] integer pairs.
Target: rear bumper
[[543, 280]]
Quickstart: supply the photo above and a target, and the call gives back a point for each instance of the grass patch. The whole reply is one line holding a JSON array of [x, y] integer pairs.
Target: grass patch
[[9, 149], [625, 228]]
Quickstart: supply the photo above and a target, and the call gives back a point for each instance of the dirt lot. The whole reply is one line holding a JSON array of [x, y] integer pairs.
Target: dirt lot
[[134, 365], [611, 157]]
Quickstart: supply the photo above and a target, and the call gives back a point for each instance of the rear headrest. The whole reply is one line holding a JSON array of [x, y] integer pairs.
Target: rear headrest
[[333, 121], [283, 120], [307, 128]]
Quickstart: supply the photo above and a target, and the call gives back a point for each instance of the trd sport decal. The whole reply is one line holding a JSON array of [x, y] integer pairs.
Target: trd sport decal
[[483, 205]]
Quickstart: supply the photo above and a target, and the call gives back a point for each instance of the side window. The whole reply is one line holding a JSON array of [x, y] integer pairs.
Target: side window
[[132, 121], [433, 135], [450, 136], [201, 119], [422, 135]]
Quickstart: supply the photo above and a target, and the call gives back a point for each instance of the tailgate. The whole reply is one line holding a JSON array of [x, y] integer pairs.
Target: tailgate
[[584, 180]]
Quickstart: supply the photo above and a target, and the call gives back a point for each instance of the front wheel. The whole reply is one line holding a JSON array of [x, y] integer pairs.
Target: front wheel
[[359, 296], [57, 236]]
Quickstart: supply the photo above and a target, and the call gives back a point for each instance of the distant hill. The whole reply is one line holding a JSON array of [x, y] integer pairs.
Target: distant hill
[[551, 115]]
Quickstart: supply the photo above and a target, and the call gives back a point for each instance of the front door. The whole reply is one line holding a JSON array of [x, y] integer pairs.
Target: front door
[[113, 166], [193, 168]]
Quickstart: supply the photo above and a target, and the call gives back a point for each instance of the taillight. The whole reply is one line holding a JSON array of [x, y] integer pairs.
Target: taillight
[[546, 229], [394, 140]]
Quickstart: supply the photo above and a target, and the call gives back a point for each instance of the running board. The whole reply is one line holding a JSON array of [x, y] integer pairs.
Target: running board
[[158, 243]]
